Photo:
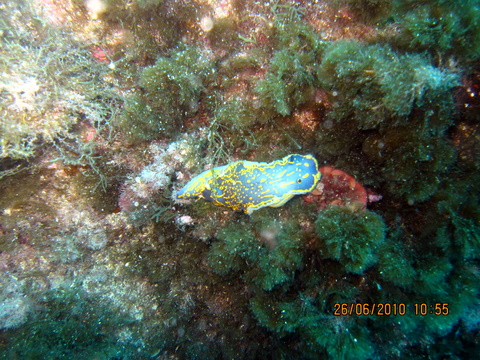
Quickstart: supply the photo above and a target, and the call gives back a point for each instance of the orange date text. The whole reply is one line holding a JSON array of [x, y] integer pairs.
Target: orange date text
[[380, 309]]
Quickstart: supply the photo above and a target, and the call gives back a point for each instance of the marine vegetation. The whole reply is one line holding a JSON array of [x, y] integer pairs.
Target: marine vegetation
[[439, 26], [171, 90], [116, 115], [354, 246]]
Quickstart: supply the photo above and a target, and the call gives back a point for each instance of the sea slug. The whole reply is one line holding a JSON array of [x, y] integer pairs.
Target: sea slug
[[248, 186]]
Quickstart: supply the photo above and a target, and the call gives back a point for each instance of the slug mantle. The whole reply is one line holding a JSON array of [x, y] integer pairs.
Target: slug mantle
[[249, 186]]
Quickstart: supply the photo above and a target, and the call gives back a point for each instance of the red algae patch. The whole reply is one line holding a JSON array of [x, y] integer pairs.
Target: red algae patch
[[336, 187]]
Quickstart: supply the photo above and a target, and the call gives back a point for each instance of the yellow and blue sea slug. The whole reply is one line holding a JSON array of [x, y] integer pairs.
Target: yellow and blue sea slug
[[248, 186]]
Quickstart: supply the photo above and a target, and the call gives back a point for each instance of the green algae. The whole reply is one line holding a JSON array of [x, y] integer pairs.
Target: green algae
[[440, 26], [171, 90], [370, 11], [224, 34], [163, 22], [307, 322], [350, 238], [373, 82], [237, 113], [70, 325], [278, 274], [397, 107], [395, 262], [288, 82], [342, 339], [49, 85], [416, 155], [275, 261], [290, 78]]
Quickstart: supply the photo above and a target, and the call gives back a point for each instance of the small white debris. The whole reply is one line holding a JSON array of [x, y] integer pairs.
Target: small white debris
[[184, 220], [206, 23]]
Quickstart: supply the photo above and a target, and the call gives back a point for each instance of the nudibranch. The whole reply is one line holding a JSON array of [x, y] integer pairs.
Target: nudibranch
[[249, 186]]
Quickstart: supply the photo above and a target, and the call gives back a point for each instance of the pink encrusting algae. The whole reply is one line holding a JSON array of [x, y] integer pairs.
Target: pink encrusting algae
[[338, 188]]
